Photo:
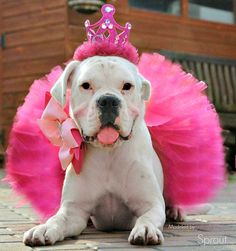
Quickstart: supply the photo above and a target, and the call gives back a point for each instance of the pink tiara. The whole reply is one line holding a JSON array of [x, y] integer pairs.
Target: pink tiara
[[107, 38], [106, 28]]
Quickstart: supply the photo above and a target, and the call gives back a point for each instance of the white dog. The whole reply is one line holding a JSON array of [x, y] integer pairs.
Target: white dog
[[121, 183]]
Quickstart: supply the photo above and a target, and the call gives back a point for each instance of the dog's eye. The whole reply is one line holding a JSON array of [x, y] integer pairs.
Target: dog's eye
[[86, 86], [127, 87]]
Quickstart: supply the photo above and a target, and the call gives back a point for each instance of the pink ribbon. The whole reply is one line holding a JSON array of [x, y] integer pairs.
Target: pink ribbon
[[62, 131]]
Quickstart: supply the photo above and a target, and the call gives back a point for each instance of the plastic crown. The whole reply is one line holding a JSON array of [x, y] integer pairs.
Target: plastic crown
[[106, 28]]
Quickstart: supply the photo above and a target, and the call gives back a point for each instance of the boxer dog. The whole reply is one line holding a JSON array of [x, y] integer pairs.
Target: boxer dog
[[120, 186]]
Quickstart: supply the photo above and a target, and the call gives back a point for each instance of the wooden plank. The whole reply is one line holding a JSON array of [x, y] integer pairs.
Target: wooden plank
[[185, 65], [6, 128], [192, 67], [208, 81], [76, 33], [9, 246], [229, 86], [66, 40], [11, 101], [32, 20], [35, 51], [216, 85], [199, 71], [36, 35], [223, 91], [9, 115], [12, 85], [180, 45], [14, 8], [32, 67], [233, 75], [176, 28], [121, 5], [71, 46]]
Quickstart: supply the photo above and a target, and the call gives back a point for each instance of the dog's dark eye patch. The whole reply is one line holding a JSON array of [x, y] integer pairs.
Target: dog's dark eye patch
[[86, 86], [127, 87]]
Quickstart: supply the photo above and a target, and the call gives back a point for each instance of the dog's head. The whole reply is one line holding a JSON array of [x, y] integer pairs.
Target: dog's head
[[107, 98]]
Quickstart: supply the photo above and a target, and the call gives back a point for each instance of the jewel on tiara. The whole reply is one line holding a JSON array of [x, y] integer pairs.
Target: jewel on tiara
[[106, 28]]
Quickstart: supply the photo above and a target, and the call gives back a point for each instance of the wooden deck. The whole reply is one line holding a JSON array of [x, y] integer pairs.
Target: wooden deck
[[215, 231]]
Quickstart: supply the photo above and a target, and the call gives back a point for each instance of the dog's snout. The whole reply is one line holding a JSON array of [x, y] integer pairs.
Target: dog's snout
[[108, 101], [109, 108]]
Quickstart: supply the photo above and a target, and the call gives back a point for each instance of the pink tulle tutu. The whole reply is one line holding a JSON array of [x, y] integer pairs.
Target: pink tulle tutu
[[87, 49], [183, 124], [33, 168], [185, 132]]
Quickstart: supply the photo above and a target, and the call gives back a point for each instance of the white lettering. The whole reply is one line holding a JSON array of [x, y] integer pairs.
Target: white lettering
[[211, 240]]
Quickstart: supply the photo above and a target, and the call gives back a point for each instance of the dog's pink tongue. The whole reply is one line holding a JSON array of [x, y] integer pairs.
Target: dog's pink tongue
[[107, 136]]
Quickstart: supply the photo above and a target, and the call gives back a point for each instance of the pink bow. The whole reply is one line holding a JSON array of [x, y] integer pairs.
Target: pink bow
[[62, 131]]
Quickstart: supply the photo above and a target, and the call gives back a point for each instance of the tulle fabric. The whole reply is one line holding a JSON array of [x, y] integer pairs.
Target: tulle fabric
[[105, 48], [184, 128], [185, 132], [33, 168]]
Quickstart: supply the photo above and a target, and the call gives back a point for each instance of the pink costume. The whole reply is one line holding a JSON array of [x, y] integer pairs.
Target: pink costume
[[183, 124]]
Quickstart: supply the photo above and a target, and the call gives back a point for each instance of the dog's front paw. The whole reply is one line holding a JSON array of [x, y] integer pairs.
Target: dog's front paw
[[42, 235], [145, 234]]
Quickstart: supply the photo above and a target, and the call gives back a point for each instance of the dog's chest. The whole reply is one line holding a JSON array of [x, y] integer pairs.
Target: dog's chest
[[110, 168], [111, 213]]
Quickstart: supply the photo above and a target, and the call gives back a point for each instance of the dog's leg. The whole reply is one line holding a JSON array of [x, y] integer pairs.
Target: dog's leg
[[148, 228], [174, 213], [69, 221], [147, 202], [72, 217]]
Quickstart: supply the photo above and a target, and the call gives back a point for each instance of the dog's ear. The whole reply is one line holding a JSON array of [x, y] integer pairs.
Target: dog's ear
[[58, 91], [145, 89]]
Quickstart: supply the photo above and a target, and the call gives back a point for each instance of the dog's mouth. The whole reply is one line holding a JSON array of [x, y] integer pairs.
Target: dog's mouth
[[108, 135]]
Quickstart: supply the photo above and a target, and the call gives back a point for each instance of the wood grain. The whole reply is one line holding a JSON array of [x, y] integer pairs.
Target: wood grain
[[36, 35], [18, 84], [35, 42], [216, 85], [35, 51], [34, 19], [26, 68], [15, 8]]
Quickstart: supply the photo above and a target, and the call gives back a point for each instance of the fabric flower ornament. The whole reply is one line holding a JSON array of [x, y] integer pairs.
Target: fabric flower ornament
[[62, 131]]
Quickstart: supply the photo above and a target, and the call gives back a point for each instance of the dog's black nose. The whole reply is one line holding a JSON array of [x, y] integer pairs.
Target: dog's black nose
[[109, 107], [108, 101]]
